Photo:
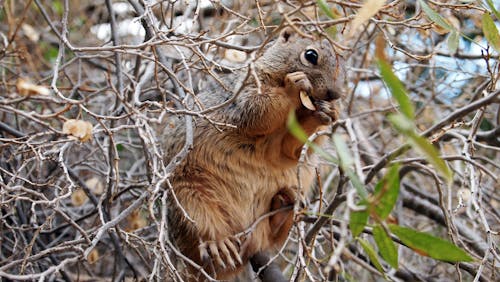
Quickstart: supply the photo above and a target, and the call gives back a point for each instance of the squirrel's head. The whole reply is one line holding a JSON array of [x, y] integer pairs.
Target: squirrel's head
[[317, 58]]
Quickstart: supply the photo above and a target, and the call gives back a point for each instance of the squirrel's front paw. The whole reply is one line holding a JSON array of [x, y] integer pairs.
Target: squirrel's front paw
[[297, 81], [326, 112], [223, 252], [299, 86]]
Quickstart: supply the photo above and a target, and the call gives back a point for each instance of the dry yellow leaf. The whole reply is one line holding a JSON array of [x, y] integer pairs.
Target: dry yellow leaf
[[78, 128], [93, 256], [369, 9], [235, 56], [494, 203], [30, 32], [465, 194], [136, 220], [26, 88], [137, 223], [95, 185], [309, 11], [78, 197]]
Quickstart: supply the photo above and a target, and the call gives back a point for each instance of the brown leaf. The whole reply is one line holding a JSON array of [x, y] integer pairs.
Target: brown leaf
[[95, 185], [30, 32], [27, 88], [235, 56], [93, 256], [78, 197], [369, 9], [136, 220], [78, 128], [380, 48]]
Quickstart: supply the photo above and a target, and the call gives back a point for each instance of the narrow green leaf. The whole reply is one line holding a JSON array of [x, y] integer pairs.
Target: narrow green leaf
[[371, 254], [428, 245], [431, 154], [58, 7], [491, 32], [332, 31], [295, 129], [325, 9], [358, 220], [386, 192], [357, 183], [346, 161], [435, 17], [453, 40], [386, 246], [401, 123], [406, 127], [397, 89], [493, 9]]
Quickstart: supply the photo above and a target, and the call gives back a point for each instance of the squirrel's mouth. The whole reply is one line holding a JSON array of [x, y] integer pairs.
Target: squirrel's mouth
[[307, 101]]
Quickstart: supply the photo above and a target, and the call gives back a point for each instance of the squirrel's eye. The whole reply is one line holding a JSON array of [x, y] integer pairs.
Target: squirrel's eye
[[311, 56]]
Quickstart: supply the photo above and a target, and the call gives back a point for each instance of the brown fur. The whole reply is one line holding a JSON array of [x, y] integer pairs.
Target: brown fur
[[234, 176]]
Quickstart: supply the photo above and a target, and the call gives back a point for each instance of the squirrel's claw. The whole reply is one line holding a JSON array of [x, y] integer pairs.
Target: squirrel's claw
[[223, 252], [214, 251], [326, 111], [234, 249]]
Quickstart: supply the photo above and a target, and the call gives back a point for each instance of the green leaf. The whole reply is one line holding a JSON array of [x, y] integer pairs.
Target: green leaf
[[386, 192], [435, 17], [401, 123], [332, 31], [428, 245], [357, 183], [358, 220], [406, 128], [346, 161], [325, 9], [119, 147], [431, 154], [493, 9], [453, 40], [295, 129], [486, 125], [50, 52], [58, 7], [491, 32], [397, 89], [371, 254], [386, 246]]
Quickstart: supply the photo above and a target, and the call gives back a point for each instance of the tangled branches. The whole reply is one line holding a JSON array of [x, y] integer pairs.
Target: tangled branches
[[87, 87]]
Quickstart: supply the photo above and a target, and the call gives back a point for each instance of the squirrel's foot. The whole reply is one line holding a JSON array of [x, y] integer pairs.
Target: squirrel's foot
[[282, 221], [224, 252], [326, 111]]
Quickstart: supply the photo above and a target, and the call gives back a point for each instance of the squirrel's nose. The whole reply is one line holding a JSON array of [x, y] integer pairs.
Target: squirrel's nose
[[332, 94]]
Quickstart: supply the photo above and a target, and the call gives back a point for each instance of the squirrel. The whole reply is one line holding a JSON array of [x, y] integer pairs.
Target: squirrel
[[234, 176]]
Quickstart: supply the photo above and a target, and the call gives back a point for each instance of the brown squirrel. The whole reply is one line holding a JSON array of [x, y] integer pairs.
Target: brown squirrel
[[234, 176]]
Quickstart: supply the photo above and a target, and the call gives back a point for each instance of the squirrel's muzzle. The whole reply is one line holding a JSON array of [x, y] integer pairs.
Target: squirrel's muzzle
[[332, 94]]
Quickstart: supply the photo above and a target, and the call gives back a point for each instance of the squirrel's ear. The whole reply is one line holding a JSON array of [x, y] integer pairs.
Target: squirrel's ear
[[286, 34]]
